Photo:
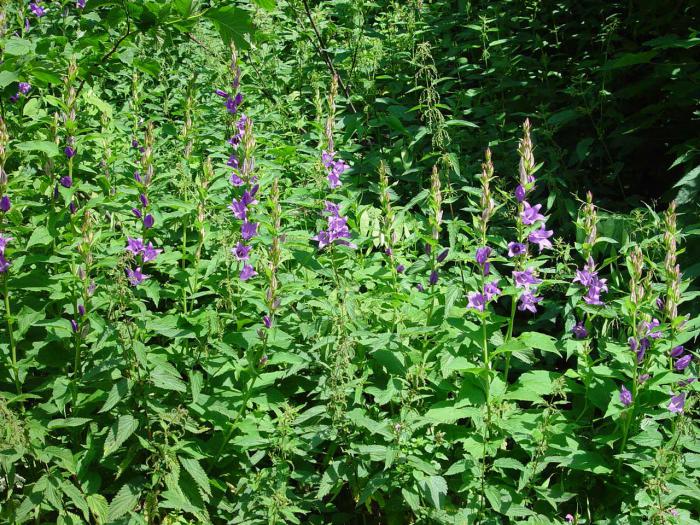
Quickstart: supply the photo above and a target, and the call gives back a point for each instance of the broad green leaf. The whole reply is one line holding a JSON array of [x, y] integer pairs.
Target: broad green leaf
[[118, 433], [43, 146], [232, 23], [124, 501]]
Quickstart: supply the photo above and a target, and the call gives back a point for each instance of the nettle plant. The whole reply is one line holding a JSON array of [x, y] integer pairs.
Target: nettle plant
[[203, 323]]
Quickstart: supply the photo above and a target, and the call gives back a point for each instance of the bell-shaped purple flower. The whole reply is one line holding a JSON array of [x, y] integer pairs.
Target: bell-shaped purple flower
[[249, 230], [677, 403], [24, 87], [137, 213], [678, 351], [134, 245], [135, 276], [476, 301], [241, 252], [150, 253], [525, 278], [579, 330], [148, 221], [531, 214], [625, 396], [528, 301], [541, 238], [683, 362], [491, 290], [69, 151], [144, 200], [482, 255], [81, 310], [66, 181], [433, 279], [520, 193], [400, 268], [74, 326], [443, 255], [4, 263], [516, 248], [5, 203], [267, 321], [247, 272]]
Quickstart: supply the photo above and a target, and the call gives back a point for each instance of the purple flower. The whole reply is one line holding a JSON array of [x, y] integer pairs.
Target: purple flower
[[528, 301], [150, 253], [625, 396], [4, 263], [81, 310], [677, 403], [70, 152], [531, 214], [323, 239], [334, 181], [443, 255], [137, 176], [389, 252], [248, 197], [419, 287], [267, 321], [331, 207], [491, 290], [476, 301], [144, 200], [520, 193], [427, 248], [400, 268], [134, 143], [74, 326], [232, 161], [221, 93], [239, 209], [525, 278], [686, 382], [249, 230], [650, 328], [516, 248], [579, 330], [482, 255], [24, 87], [14, 98], [38, 10], [241, 252], [247, 272], [660, 304], [593, 295], [137, 213], [236, 181], [4, 241], [541, 238], [643, 378], [677, 351], [148, 221], [683, 362], [135, 276], [5, 203], [80, 4], [66, 181], [433, 279], [72, 207], [134, 246]]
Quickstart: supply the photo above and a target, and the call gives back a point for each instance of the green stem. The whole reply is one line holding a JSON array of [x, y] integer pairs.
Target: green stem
[[13, 347], [509, 334]]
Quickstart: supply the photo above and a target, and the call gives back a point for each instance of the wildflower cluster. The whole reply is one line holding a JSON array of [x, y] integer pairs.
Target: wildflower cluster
[[337, 231], [242, 161], [530, 227], [143, 253]]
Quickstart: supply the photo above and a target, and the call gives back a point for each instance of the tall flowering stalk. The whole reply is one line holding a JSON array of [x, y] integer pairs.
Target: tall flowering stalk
[[86, 289], [69, 120], [530, 231], [337, 231], [5, 203], [141, 248]]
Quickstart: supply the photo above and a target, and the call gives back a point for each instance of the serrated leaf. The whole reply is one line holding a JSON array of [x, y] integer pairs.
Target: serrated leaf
[[195, 470], [44, 146], [232, 23], [124, 501], [119, 433]]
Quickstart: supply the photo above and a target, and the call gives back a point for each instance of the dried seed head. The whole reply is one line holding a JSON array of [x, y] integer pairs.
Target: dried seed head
[[487, 205], [590, 221]]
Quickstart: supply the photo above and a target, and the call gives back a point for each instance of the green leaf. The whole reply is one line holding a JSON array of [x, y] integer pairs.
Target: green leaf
[[119, 390], [232, 23], [18, 47], [69, 422], [195, 470], [44, 146], [268, 5], [7, 78], [40, 236], [124, 501], [99, 507], [434, 489], [119, 433]]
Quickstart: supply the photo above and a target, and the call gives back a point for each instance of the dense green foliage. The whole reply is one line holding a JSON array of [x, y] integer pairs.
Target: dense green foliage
[[444, 358]]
